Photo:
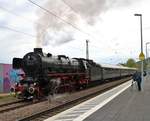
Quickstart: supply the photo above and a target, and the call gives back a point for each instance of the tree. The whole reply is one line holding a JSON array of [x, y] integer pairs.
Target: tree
[[131, 63], [139, 65]]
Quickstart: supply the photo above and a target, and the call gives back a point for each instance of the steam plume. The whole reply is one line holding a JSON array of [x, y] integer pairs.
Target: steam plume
[[53, 31]]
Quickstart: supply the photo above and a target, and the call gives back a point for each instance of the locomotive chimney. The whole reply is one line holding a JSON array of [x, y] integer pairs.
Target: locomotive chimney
[[38, 51]]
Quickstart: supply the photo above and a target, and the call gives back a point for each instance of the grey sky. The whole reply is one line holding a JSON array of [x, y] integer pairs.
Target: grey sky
[[113, 28]]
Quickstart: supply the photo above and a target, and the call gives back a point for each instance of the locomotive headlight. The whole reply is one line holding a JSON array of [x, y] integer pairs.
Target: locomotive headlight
[[31, 90], [34, 84], [16, 84]]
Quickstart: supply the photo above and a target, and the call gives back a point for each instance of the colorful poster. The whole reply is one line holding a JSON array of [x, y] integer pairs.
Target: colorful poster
[[1, 70], [9, 76], [16, 75], [1, 84], [6, 77], [1, 78], [6, 84]]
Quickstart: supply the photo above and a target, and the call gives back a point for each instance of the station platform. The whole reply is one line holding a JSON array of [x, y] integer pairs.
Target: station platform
[[122, 103], [130, 105]]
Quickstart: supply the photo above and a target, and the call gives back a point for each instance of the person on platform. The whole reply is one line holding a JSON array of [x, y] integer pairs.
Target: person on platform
[[137, 77]]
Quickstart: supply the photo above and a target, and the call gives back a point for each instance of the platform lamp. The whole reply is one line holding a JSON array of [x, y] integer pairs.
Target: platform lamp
[[140, 15]]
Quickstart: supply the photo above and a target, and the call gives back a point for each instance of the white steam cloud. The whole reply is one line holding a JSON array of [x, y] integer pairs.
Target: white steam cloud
[[53, 31]]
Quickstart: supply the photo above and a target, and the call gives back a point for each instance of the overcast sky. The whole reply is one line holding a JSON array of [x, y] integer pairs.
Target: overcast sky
[[110, 26]]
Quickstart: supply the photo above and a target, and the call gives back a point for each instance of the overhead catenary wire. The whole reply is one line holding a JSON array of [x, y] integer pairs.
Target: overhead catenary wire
[[18, 31], [14, 30], [24, 18], [75, 11], [48, 11], [27, 34], [4, 9], [8, 11], [70, 6], [20, 16]]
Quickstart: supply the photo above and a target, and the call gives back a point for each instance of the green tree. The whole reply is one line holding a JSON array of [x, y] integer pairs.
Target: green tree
[[139, 65], [131, 63]]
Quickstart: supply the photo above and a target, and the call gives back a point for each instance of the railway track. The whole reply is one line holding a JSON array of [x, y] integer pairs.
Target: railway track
[[9, 103], [11, 106], [70, 102], [15, 105]]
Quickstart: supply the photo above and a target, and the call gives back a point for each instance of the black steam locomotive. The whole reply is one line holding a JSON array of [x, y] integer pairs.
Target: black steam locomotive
[[46, 74]]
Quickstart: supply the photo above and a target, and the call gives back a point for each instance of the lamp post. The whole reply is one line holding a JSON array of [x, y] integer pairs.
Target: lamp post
[[140, 15]]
